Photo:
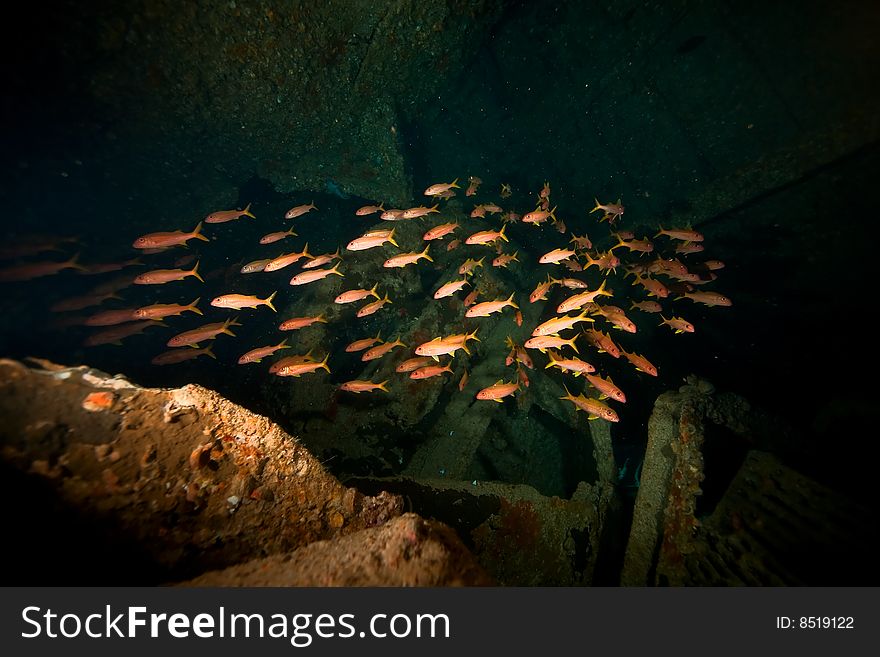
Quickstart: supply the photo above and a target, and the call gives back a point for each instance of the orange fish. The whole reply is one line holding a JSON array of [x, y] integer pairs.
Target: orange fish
[[602, 342], [539, 216], [162, 310], [372, 240], [447, 194], [556, 255], [652, 286], [572, 265], [683, 234], [394, 214], [223, 216], [505, 259], [505, 191], [606, 387], [421, 211], [441, 346], [519, 318], [255, 266], [439, 188], [296, 323], [713, 265], [239, 301], [365, 343], [646, 306], [707, 298], [271, 238], [257, 355], [573, 283], [369, 209], [605, 262], [478, 212], [641, 363], [358, 386], [380, 350], [160, 276], [540, 292], [181, 355], [487, 236], [639, 246], [297, 359], [617, 318], [521, 376], [298, 369], [575, 365], [450, 288], [320, 260], [412, 364], [429, 371], [350, 296], [116, 334], [544, 342], [471, 298], [286, 259], [164, 240], [489, 307], [206, 332], [463, 381], [314, 275], [299, 210], [439, 232], [581, 242], [106, 267], [474, 184], [686, 248], [33, 270], [612, 211], [578, 301], [556, 324], [405, 259], [373, 307], [592, 407], [677, 324], [498, 391], [469, 265], [112, 317], [454, 244]]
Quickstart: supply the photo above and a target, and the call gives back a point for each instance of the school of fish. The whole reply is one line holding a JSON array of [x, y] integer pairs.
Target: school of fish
[[651, 272]]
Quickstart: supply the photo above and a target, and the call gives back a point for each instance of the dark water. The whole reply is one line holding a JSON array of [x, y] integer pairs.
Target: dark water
[[692, 116]]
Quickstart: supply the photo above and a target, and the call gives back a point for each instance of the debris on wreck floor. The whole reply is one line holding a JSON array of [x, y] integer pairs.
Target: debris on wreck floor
[[108, 482], [405, 551], [715, 508]]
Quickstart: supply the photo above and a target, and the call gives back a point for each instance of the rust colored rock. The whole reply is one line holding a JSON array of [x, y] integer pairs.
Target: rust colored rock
[[407, 551], [99, 401]]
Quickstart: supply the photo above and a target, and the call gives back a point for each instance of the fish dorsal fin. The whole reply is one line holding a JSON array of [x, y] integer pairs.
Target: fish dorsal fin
[[498, 382]]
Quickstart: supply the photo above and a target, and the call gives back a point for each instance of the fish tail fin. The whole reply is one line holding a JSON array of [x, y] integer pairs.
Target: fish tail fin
[[391, 238], [454, 184], [324, 363], [502, 235], [197, 233], [268, 301], [434, 209], [479, 262], [572, 344], [336, 271], [373, 290], [383, 385], [472, 336], [320, 318], [382, 206], [247, 212], [314, 207], [598, 205], [387, 299], [207, 351], [511, 302], [305, 252], [195, 272], [553, 212], [283, 344], [425, 253], [194, 306], [514, 258], [659, 233]]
